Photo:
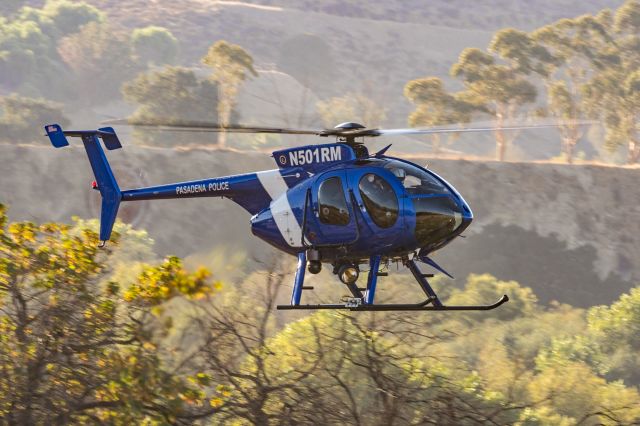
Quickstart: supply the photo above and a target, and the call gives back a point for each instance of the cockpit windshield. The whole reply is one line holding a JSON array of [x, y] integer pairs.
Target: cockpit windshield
[[415, 180]]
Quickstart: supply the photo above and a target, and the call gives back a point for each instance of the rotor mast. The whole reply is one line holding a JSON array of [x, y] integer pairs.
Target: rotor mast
[[343, 136]]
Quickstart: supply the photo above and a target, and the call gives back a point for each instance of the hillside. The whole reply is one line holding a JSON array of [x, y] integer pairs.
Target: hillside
[[565, 231], [374, 47]]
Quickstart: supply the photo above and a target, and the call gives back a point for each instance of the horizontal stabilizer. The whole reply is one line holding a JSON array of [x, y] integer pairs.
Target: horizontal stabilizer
[[56, 135], [109, 138]]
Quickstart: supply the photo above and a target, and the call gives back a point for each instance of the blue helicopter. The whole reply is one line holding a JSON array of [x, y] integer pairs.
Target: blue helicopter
[[333, 204]]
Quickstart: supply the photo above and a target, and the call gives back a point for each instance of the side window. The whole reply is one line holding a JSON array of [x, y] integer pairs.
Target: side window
[[379, 199], [332, 202]]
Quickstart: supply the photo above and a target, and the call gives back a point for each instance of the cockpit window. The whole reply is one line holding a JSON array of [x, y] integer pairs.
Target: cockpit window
[[332, 203], [415, 180], [379, 199]]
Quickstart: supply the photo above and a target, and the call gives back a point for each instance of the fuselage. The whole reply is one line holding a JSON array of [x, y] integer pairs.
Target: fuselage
[[362, 207], [338, 203]]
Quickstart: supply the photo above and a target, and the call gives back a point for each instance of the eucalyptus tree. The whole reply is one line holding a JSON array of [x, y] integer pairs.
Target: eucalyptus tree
[[154, 45], [435, 106], [231, 66], [77, 345], [614, 93], [577, 50], [497, 81], [354, 106]]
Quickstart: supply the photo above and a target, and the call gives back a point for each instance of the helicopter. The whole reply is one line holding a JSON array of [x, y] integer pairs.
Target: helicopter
[[332, 203]]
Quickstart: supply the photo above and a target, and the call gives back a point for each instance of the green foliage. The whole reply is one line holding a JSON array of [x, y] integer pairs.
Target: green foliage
[[575, 392], [384, 381], [73, 346], [479, 288], [154, 45], [23, 46], [157, 284], [77, 343], [595, 61], [575, 47], [614, 332], [231, 65], [496, 81], [435, 106], [66, 16], [609, 344], [29, 61], [101, 59], [627, 18], [21, 119], [588, 65], [620, 322], [332, 367], [171, 95], [351, 107], [230, 62]]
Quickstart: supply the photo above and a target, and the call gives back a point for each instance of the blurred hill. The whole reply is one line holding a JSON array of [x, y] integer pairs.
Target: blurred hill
[[566, 231], [372, 46]]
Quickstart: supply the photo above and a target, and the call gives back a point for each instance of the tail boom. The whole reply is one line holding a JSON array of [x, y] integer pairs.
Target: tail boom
[[252, 191], [247, 190]]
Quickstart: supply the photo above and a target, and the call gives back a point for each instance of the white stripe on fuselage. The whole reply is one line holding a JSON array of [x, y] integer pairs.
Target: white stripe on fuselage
[[273, 183], [287, 224]]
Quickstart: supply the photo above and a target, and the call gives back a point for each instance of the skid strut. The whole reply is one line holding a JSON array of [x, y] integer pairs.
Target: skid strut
[[365, 301]]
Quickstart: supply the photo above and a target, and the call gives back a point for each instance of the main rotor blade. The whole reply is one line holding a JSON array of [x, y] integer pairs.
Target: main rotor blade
[[440, 130], [199, 126]]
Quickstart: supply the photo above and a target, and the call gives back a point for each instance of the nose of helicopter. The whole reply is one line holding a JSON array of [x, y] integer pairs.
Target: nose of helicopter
[[467, 214], [439, 219]]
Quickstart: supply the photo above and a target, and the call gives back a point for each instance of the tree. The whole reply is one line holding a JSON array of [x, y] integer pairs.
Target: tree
[[496, 81], [22, 118], [351, 107], [615, 332], [328, 367], [170, 95], [578, 396], [435, 106], [228, 344], [614, 93], [372, 374], [231, 65], [486, 287], [29, 60], [23, 46], [100, 58], [76, 346], [575, 49], [68, 17], [154, 45]]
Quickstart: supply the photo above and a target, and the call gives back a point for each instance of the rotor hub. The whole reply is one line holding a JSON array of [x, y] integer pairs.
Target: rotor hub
[[349, 125]]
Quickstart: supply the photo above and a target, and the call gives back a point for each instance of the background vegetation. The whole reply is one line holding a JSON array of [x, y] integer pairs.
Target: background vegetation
[[125, 336], [570, 70], [120, 336]]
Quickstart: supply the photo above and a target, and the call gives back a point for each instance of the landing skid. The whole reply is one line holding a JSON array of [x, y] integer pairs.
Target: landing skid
[[364, 302], [424, 306]]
